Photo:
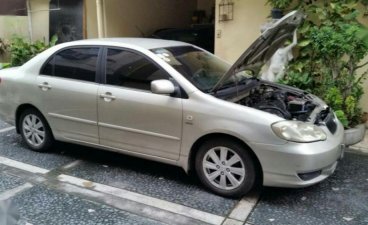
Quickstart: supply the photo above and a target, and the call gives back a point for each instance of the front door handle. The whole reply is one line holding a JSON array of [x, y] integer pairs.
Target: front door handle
[[108, 97], [44, 86]]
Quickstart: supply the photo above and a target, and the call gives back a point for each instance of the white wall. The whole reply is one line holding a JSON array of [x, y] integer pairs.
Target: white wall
[[40, 19], [237, 35], [91, 19], [13, 25], [364, 101], [19, 25]]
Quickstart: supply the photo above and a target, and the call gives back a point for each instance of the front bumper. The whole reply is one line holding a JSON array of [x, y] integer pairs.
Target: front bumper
[[286, 165]]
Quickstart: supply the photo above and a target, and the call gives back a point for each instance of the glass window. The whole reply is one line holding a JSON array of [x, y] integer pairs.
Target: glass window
[[48, 68], [204, 70], [76, 63], [128, 69]]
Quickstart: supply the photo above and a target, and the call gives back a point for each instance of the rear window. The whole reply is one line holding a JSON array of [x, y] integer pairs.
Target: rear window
[[73, 63]]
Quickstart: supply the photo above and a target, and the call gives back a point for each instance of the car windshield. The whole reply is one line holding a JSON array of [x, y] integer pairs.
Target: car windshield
[[201, 68]]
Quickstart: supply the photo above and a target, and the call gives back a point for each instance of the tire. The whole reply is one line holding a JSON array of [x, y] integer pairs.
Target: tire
[[234, 175], [35, 131]]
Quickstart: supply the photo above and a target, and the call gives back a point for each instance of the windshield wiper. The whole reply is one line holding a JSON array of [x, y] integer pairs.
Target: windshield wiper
[[242, 81], [225, 86]]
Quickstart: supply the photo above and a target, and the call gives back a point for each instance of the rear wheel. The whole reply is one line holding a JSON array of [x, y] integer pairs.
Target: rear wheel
[[225, 167], [35, 130]]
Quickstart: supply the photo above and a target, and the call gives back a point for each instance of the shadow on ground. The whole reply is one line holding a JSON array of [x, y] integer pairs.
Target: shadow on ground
[[341, 199]]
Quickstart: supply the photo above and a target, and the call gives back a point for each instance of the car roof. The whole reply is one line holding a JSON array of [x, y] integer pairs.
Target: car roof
[[147, 43]]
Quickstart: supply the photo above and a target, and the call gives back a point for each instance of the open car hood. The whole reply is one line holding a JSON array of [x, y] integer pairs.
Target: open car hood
[[265, 46]]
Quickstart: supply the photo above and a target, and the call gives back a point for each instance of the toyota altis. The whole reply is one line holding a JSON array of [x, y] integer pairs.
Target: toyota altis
[[175, 103]]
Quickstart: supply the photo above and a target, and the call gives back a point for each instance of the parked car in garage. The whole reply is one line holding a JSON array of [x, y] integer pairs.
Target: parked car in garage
[[200, 35], [174, 103]]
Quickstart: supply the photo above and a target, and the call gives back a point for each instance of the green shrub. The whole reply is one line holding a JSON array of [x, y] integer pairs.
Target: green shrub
[[279, 4], [21, 50], [332, 46], [341, 116]]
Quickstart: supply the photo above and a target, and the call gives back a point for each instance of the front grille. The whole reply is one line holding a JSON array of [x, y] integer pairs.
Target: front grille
[[309, 176]]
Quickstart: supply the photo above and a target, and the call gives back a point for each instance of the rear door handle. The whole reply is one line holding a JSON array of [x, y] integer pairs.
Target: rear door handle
[[44, 86], [108, 97]]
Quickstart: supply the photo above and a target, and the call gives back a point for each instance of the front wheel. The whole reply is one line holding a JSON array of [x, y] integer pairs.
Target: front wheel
[[35, 130], [225, 167]]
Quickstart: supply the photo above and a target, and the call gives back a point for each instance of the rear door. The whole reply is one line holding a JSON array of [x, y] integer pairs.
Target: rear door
[[131, 117], [68, 88]]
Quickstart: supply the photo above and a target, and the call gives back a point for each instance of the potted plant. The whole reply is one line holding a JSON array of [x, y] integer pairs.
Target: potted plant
[[278, 7], [330, 54], [349, 113], [365, 117]]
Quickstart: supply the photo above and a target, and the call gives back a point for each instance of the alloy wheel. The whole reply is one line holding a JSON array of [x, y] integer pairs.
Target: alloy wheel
[[33, 130], [224, 168]]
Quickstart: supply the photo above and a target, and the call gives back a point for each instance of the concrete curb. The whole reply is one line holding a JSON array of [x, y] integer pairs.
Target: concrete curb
[[361, 147]]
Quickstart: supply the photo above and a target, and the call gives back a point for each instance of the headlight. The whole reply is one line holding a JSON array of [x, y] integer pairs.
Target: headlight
[[297, 131]]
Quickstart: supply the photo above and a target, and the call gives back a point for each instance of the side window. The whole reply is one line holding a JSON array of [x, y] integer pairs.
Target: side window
[[48, 68], [75, 63], [128, 69]]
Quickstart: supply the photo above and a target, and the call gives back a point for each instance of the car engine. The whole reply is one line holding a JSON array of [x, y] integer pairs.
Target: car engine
[[285, 103]]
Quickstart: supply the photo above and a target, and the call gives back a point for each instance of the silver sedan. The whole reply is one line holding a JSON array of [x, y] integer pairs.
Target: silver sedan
[[175, 103]]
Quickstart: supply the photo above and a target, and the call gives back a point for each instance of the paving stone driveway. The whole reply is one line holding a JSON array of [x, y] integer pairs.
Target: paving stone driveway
[[341, 199]]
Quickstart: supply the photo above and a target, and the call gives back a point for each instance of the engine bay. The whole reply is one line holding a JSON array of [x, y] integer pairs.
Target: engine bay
[[283, 102]]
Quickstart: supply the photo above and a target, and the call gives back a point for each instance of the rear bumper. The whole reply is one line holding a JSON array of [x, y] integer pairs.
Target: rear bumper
[[7, 114], [300, 164]]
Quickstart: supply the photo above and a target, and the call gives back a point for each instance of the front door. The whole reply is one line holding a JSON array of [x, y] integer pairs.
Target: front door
[[131, 117], [68, 89]]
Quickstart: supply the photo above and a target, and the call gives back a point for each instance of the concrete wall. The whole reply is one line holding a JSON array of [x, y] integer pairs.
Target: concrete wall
[[40, 19], [233, 37], [18, 25], [129, 18], [364, 101], [13, 25], [91, 18]]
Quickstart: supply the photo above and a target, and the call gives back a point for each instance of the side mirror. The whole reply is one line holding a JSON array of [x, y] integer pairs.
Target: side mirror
[[162, 87]]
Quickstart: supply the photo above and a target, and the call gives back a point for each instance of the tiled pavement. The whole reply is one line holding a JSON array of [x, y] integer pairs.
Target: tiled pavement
[[341, 199]]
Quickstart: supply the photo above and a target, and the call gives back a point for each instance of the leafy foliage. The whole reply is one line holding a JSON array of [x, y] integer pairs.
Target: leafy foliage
[[334, 98], [21, 50], [300, 80], [341, 116], [279, 4], [331, 49], [4, 65]]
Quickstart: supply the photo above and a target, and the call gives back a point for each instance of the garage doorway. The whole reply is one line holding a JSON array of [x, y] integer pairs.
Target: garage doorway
[[183, 20], [67, 22]]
